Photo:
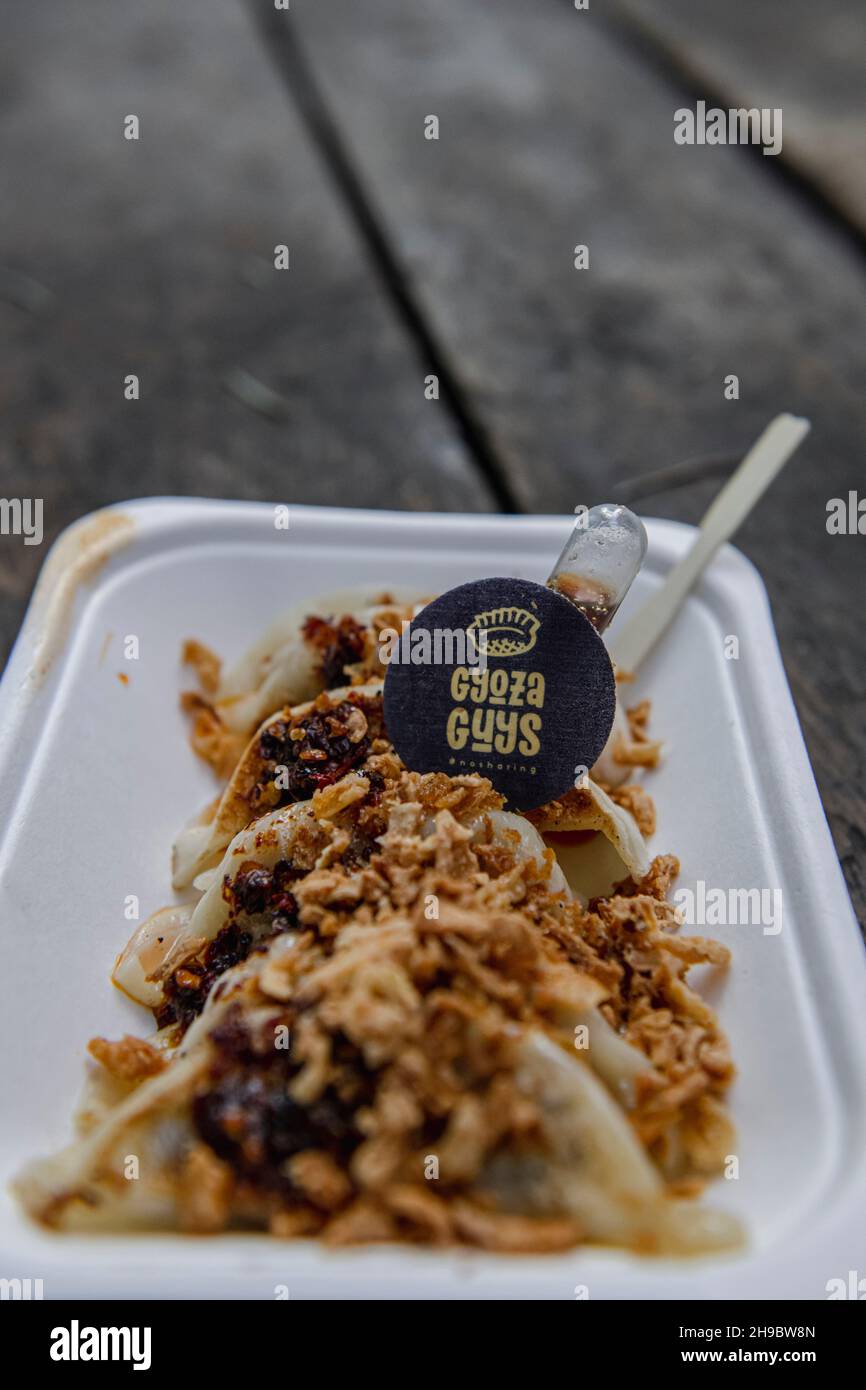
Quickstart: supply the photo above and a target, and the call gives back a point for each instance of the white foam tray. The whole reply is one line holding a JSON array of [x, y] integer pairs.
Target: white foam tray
[[96, 777]]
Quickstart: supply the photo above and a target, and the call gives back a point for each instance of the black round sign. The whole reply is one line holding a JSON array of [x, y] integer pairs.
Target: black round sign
[[505, 678]]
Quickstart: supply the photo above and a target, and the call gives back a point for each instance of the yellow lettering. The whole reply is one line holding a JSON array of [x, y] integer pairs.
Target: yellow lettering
[[530, 725], [482, 731], [535, 689], [506, 739], [478, 686], [518, 681], [459, 683], [498, 687], [457, 729]]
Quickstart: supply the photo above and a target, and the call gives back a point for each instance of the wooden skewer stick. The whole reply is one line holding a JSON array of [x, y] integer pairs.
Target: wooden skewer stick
[[766, 458]]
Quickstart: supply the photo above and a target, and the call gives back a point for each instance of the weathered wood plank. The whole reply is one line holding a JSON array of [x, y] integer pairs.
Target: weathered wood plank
[[552, 133], [808, 59], [156, 257]]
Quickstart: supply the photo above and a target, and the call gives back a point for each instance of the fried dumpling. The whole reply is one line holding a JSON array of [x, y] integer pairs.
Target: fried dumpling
[[131, 1170], [318, 644], [296, 752], [299, 1099], [171, 971], [338, 731], [596, 840], [596, 1170], [172, 958]]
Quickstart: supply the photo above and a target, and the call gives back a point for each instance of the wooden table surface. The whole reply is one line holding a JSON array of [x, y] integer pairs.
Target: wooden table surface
[[454, 258]]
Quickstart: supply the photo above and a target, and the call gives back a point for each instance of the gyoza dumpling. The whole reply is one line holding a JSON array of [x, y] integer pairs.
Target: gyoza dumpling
[[90, 1186], [314, 646], [596, 841], [248, 898], [628, 748], [173, 959], [595, 1168], [337, 731], [296, 752], [303, 1097]]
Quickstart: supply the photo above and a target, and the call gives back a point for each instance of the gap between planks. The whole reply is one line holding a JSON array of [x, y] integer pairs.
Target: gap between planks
[[645, 41], [285, 50]]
